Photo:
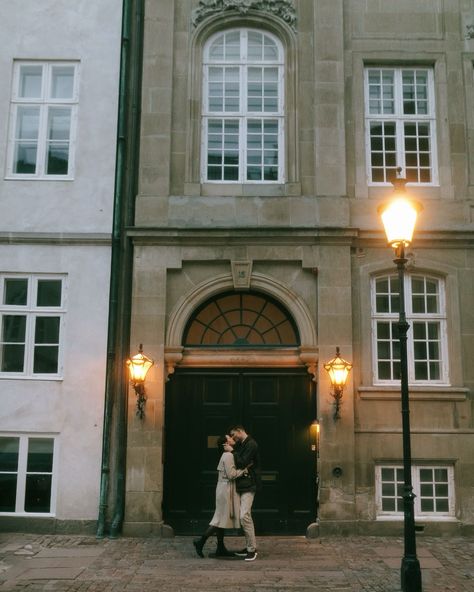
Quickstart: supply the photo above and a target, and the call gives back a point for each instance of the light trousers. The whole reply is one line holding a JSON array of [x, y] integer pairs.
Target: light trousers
[[246, 501]]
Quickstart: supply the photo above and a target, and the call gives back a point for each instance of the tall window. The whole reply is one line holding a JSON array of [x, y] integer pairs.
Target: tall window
[[426, 314], [243, 108], [400, 124], [432, 485], [26, 474], [31, 315], [43, 116]]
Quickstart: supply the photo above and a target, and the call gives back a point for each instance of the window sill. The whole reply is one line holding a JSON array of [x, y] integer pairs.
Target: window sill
[[54, 178], [41, 378], [417, 393], [400, 518], [242, 189], [28, 514]]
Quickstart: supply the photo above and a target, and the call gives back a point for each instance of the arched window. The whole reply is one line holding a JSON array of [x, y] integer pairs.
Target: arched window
[[241, 320], [243, 108]]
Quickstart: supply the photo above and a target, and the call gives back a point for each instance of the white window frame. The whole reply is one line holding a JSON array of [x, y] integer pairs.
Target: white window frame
[[43, 103], [243, 115], [32, 311], [22, 473], [399, 119], [415, 476], [440, 317]]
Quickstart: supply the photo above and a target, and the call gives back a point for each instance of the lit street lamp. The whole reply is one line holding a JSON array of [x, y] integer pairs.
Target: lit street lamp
[[399, 219]]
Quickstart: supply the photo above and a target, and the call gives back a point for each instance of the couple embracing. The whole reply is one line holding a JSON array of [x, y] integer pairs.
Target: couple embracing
[[238, 480]]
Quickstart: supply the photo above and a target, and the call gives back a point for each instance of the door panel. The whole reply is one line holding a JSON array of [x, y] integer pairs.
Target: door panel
[[276, 408]]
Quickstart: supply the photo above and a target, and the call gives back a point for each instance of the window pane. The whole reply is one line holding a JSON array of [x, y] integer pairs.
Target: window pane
[[388, 504], [40, 455], [427, 505], [8, 483], [62, 82], [9, 448], [46, 359], [38, 493], [26, 134], [384, 370], [255, 45], [15, 291], [59, 124], [441, 475], [27, 123], [46, 356], [58, 159], [442, 505], [216, 51], [49, 293], [232, 46], [388, 489], [12, 358], [30, 82], [47, 330], [24, 159], [426, 490], [441, 490], [13, 328]]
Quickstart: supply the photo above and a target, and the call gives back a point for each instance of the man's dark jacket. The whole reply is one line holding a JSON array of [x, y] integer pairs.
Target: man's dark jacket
[[245, 454]]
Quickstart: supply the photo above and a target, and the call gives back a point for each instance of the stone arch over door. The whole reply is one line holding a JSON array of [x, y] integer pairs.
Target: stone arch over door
[[306, 354]]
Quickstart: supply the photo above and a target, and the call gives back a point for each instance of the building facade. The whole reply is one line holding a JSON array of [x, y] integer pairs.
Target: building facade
[[58, 101], [270, 134], [256, 141]]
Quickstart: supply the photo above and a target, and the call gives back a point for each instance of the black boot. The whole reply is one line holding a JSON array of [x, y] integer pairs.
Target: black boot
[[200, 542], [221, 550]]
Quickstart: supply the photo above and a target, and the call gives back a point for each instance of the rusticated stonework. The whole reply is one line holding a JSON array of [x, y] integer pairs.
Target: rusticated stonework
[[283, 9]]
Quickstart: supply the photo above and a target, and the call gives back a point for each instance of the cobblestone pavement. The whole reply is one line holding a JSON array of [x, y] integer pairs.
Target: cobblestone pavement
[[61, 563]]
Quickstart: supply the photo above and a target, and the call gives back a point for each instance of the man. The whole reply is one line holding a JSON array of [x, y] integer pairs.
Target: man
[[246, 455]]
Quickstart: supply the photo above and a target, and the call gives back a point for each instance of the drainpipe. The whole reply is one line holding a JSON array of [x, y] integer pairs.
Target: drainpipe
[[127, 158]]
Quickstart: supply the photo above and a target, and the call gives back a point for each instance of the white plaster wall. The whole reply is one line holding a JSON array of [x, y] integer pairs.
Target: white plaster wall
[[64, 30], [72, 407]]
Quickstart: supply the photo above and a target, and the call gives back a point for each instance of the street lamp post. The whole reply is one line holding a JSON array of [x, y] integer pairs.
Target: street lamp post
[[399, 219]]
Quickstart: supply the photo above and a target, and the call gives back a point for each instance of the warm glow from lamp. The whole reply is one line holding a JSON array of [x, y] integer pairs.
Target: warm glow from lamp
[[338, 370], [138, 366], [399, 220]]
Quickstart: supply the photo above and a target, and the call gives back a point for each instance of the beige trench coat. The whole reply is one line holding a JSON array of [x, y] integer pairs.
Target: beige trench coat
[[227, 499]]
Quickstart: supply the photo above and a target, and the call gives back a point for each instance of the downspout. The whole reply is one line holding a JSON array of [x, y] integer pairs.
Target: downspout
[[116, 385]]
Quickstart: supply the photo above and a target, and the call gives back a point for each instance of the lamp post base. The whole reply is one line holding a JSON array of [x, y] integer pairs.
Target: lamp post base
[[410, 575]]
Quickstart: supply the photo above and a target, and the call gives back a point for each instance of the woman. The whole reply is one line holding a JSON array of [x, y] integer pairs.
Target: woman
[[226, 514]]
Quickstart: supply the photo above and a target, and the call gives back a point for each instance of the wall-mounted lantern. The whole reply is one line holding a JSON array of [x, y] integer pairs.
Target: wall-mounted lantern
[[338, 370], [138, 367]]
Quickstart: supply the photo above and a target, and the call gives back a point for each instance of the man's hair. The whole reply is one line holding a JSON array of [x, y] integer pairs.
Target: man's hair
[[237, 428]]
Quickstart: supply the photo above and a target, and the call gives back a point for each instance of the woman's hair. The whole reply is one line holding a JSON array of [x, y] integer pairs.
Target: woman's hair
[[220, 442]]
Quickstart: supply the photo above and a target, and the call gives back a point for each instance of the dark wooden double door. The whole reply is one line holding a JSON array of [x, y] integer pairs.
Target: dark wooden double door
[[276, 408]]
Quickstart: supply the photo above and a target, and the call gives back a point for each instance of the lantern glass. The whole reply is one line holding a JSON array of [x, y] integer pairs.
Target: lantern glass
[[138, 366], [399, 219], [338, 370]]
